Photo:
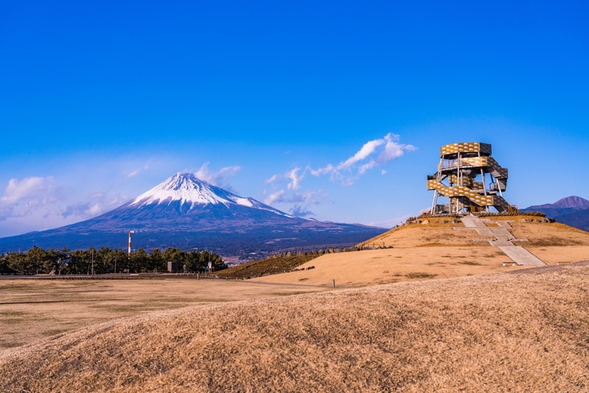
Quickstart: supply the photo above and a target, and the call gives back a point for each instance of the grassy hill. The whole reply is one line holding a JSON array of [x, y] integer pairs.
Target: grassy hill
[[525, 331], [273, 265], [432, 249]]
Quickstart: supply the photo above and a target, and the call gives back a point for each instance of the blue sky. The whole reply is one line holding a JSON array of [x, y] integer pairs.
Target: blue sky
[[334, 110]]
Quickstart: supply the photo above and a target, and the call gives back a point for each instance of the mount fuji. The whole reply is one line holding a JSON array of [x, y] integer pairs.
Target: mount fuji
[[186, 212]]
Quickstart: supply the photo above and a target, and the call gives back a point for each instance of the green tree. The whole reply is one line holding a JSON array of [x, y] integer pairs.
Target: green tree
[[108, 260], [156, 260], [19, 262], [174, 255], [78, 262], [119, 259], [4, 268], [39, 258], [139, 261], [197, 261]]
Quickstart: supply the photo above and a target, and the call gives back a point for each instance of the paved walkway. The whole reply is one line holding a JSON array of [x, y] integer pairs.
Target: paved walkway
[[521, 256], [473, 222], [502, 240]]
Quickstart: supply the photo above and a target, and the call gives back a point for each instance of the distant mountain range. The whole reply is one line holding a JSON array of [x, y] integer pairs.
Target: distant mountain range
[[573, 211], [187, 213]]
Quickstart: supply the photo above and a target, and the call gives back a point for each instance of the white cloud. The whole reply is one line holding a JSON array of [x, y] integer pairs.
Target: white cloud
[[136, 171], [274, 197], [295, 180], [393, 149], [301, 211], [216, 178], [22, 198], [95, 204], [273, 179], [286, 187], [322, 171], [17, 191], [293, 177], [372, 154], [362, 154]]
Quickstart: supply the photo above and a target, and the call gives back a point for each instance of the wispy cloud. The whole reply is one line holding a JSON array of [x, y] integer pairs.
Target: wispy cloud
[[137, 171], [371, 155], [28, 187], [292, 177], [22, 197], [218, 178], [274, 197], [286, 187], [37, 203], [295, 179], [300, 211], [94, 205]]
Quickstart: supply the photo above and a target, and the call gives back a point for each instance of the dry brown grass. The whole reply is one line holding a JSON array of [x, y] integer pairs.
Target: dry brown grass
[[386, 266], [440, 251], [33, 309], [422, 235], [495, 333], [538, 233], [527, 330]]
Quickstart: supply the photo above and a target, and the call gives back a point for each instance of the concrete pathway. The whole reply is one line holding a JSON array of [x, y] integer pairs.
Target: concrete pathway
[[473, 222], [502, 240], [502, 233], [521, 256]]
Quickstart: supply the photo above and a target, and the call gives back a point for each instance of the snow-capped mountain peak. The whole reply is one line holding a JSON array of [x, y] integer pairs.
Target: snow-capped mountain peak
[[188, 189]]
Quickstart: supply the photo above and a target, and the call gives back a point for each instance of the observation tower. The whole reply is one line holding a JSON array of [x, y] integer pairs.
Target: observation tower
[[462, 176]]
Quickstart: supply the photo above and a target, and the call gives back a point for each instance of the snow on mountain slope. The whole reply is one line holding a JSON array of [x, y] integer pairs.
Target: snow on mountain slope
[[188, 189], [189, 213]]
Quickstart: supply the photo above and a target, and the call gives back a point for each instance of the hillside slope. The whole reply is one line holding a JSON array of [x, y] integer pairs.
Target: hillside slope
[[578, 219], [505, 332], [440, 248]]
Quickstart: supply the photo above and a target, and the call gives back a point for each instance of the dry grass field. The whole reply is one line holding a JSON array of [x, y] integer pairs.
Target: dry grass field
[[434, 251], [32, 309], [370, 267], [452, 314], [526, 331]]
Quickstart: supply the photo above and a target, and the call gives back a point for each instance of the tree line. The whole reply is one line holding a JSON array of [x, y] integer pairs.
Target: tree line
[[105, 260]]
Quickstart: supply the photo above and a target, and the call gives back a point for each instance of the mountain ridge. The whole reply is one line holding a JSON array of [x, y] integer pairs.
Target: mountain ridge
[[571, 202], [186, 212], [572, 210]]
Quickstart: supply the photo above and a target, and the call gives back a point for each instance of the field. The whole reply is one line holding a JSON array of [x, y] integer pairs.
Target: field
[[32, 309], [526, 331], [432, 311]]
